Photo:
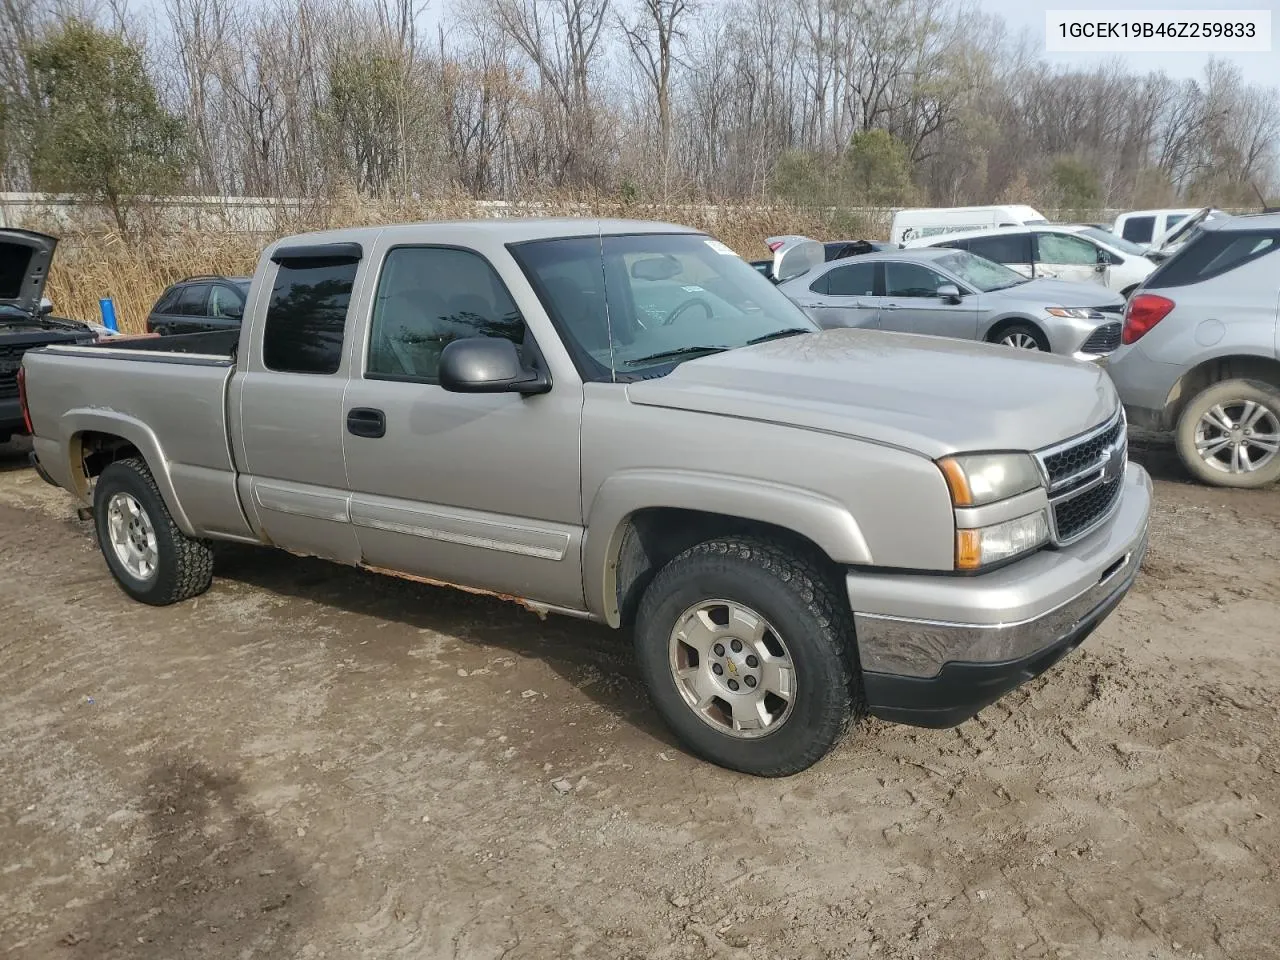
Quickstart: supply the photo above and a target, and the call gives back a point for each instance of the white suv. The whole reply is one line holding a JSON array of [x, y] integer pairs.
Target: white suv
[[1064, 252]]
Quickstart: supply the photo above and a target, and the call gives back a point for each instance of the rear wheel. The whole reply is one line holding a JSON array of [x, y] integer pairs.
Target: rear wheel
[[152, 560], [1021, 336], [747, 652], [1228, 435]]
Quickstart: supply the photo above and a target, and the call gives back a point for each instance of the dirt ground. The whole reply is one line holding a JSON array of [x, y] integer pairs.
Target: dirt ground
[[310, 761]]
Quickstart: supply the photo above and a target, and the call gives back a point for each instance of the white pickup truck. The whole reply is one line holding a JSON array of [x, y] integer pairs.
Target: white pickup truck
[[624, 421]]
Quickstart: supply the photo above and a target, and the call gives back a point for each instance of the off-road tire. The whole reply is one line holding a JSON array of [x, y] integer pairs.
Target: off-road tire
[[803, 602], [1226, 392], [184, 566]]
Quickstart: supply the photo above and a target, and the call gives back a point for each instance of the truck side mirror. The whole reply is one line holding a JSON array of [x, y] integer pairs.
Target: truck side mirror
[[488, 365]]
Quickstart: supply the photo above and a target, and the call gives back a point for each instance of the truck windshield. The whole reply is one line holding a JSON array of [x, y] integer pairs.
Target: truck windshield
[[635, 305]]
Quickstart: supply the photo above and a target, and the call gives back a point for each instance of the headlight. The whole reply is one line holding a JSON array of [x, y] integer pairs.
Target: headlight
[[983, 546], [1074, 313], [984, 478]]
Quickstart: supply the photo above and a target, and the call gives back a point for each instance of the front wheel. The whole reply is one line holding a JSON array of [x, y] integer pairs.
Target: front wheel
[[1022, 336], [152, 560], [1228, 435], [747, 651]]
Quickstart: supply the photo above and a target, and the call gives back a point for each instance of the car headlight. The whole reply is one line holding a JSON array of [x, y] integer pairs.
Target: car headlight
[[978, 479], [982, 546], [1074, 313]]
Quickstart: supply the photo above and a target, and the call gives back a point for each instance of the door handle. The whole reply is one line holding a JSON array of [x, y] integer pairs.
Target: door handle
[[366, 422], [888, 306]]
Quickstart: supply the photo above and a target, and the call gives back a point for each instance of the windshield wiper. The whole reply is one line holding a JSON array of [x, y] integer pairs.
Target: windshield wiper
[[673, 354], [779, 334]]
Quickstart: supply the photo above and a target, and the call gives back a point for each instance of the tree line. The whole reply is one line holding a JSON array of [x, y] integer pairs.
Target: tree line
[[823, 102]]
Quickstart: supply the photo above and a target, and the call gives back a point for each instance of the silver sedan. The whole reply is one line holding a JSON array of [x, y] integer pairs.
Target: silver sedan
[[951, 293]]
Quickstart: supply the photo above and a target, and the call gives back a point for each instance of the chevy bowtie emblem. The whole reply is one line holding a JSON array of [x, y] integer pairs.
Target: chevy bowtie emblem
[[732, 667]]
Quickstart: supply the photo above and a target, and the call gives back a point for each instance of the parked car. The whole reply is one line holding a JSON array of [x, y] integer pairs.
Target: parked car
[[623, 421], [921, 223], [199, 304], [26, 317], [1062, 251], [832, 250], [1168, 243], [1200, 352], [952, 293], [1144, 227]]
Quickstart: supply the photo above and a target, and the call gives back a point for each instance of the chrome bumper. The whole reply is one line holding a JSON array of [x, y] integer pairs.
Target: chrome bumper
[[914, 626]]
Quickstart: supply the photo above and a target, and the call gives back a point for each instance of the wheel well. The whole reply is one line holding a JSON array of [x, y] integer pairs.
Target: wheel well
[[96, 451], [996, 331], [656, 535], [1216, 371]]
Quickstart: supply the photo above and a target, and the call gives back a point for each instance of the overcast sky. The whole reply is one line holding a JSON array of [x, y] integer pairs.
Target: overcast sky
[[1029, 15], [1261, 68]]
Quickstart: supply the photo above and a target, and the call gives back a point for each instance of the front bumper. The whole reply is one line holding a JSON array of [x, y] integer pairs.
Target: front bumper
[[935, 650]]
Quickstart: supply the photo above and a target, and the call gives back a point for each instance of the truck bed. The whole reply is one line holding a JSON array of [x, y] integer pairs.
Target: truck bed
[[213, 345], [166, 396]]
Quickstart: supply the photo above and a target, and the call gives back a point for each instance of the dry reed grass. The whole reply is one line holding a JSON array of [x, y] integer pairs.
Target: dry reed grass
[[94, 263]]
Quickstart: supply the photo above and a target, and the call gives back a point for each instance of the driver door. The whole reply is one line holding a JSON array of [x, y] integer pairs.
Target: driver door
[[473, 488], [912, 305]]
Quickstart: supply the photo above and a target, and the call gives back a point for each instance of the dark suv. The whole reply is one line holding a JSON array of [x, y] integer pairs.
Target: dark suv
[[198, 304]]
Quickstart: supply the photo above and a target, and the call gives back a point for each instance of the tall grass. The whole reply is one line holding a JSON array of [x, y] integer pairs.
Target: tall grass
[[93, 262]]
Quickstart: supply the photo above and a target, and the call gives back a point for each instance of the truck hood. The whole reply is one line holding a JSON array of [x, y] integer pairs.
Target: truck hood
[[24, 266], [929, 395]]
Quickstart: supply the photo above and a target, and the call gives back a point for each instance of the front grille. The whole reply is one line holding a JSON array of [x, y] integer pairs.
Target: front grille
[[10, 363], [1063, 462], [1103, 340], [1084, 479], [1075, 516]]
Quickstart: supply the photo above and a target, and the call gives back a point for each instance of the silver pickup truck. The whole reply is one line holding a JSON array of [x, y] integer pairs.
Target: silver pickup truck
[[624, 421]]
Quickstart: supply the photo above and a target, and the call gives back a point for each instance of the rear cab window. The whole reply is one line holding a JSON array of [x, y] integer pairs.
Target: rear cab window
[[306, 318], [1213, 253]]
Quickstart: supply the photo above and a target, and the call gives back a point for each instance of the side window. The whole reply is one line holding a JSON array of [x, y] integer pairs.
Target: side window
[[428, 297], [192, 300], [911, 280], [1062, 248], [225, 303], [168, 301], [306, 316], [1140, 229], [822, 286], [854, 280], [1004, 248]]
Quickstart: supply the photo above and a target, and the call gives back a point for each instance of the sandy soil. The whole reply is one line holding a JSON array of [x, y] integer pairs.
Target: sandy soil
[[310, 761]]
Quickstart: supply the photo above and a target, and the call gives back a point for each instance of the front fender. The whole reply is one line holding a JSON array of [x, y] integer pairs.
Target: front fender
[[81, 420], [820, 519]]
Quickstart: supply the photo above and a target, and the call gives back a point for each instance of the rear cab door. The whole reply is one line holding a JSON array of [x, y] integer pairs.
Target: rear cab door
[[844, 295], [286, 398]]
